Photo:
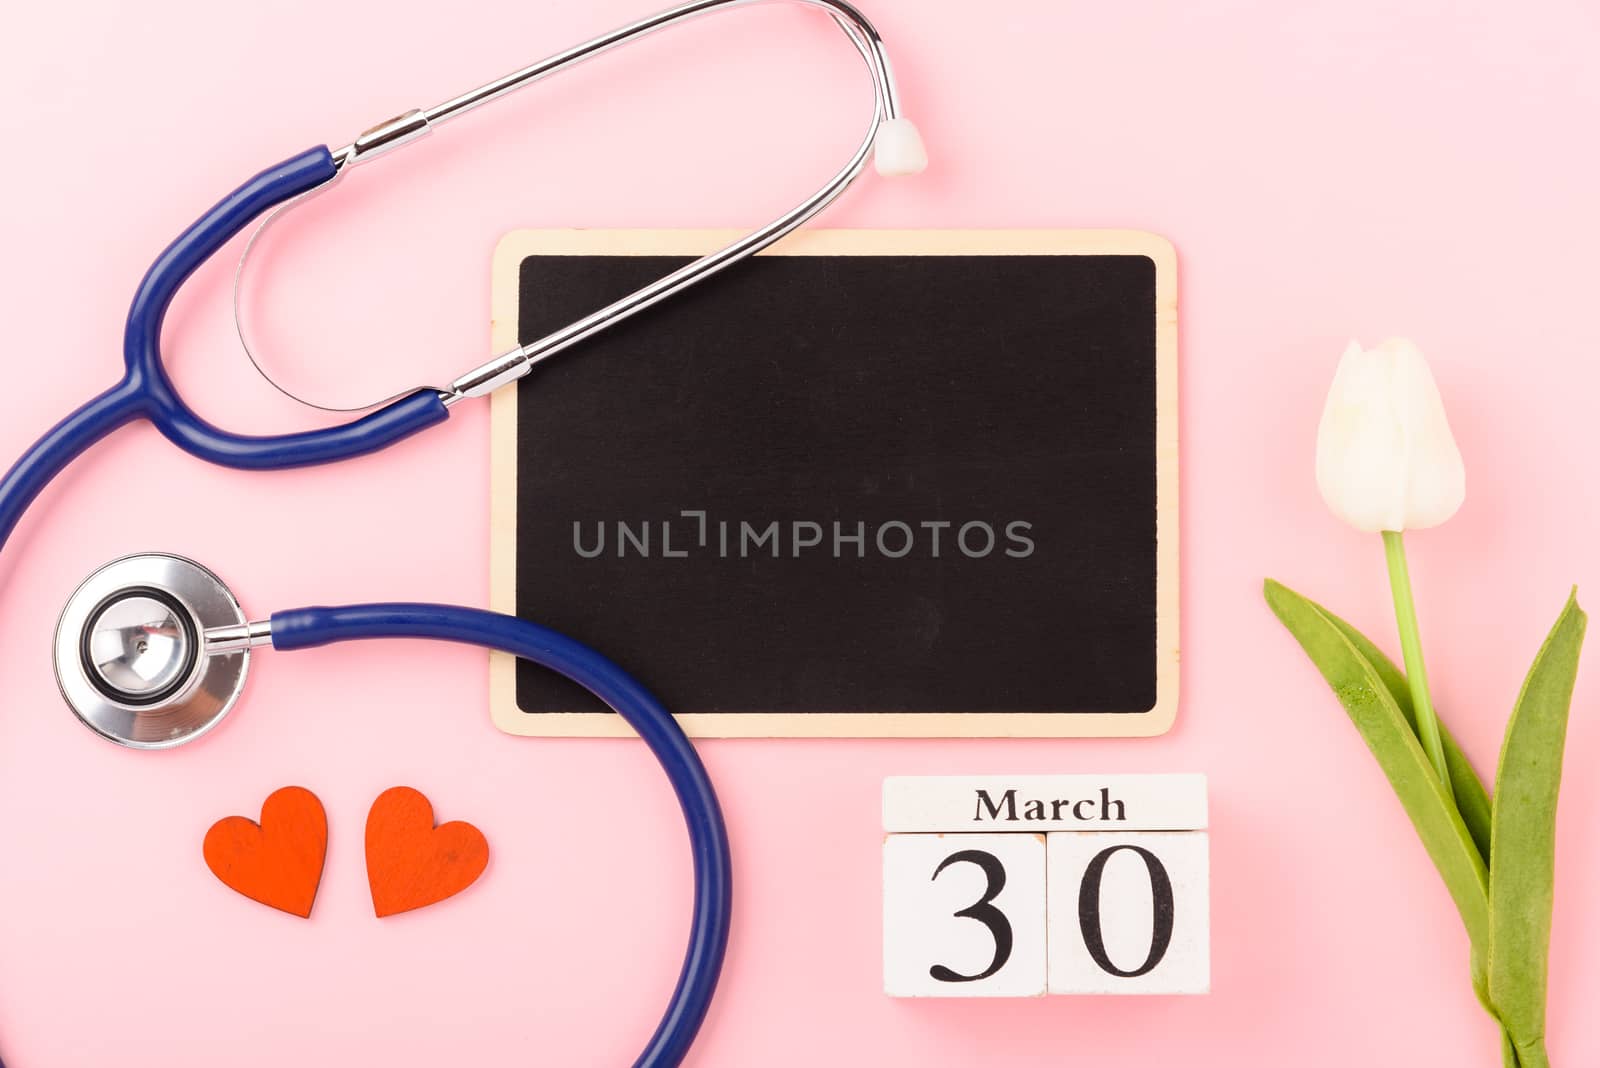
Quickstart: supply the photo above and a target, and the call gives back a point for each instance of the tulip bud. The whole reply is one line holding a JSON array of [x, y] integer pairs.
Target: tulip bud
[[1386, 459]]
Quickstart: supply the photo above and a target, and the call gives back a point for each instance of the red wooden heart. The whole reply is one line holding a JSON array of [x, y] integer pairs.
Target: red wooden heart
[[278, 861], [410, 862]]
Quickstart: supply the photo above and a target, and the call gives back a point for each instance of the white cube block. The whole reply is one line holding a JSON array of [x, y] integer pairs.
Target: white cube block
[[964, 915], [1130, 913]]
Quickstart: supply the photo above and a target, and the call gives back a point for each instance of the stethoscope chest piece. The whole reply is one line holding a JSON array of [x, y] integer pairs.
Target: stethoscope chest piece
[[131, 656]]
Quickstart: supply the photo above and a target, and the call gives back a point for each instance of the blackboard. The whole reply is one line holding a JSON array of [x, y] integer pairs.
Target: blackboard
[[868, 483]]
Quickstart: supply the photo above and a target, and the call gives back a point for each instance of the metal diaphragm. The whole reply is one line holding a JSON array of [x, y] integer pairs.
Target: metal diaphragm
[[130, 652]]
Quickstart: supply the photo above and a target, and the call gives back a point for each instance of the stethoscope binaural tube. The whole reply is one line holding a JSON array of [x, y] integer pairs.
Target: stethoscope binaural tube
[[178, 655], [146, 391]]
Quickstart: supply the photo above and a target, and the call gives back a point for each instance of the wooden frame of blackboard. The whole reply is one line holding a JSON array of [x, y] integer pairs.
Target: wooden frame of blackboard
[[518, 245]]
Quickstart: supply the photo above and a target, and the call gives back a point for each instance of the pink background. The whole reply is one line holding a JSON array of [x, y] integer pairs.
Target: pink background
[[1326, 170]]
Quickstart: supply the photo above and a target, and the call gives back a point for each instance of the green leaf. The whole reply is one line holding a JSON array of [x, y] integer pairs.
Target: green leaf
[[1508, 1050], [1522, 879], [1472, 800], [1393, 742]]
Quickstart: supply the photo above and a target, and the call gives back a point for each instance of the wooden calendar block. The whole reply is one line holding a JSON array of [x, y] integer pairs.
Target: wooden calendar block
[[1129, 912], [1034, 803], [964, 915]]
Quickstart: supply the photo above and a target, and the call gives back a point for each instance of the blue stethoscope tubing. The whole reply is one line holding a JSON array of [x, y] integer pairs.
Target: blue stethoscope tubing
[[146, 391], [308, 628]]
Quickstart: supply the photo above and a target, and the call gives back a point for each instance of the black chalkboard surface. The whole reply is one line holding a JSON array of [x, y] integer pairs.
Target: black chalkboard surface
[[866, 484]]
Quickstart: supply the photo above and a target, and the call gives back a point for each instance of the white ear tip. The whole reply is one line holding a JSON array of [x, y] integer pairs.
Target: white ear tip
[[899, 149]]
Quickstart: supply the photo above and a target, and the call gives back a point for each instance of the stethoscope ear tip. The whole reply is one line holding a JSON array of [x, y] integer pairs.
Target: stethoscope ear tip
[[131, 652], [898, 149]]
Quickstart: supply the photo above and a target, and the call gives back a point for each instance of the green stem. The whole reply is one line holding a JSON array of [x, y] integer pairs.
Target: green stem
[[1405, 615]]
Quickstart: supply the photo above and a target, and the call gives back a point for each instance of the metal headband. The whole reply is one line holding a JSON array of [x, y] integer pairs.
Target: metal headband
[[508, 367]]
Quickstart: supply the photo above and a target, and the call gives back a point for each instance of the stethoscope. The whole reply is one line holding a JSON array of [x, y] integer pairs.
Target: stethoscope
[[153, 650]]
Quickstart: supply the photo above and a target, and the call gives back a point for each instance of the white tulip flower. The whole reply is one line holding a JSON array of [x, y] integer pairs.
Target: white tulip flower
[[1386, 463], [1386, 459]]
